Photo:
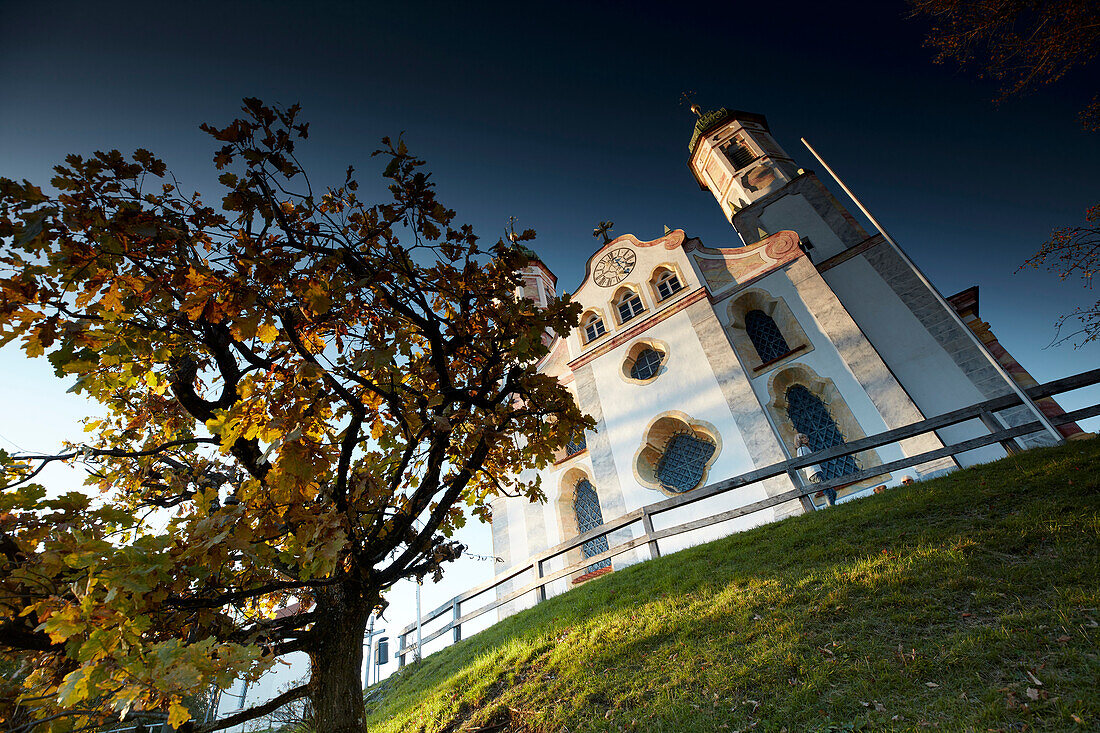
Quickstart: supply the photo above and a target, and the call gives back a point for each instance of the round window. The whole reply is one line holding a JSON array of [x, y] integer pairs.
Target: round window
[[646, 365]]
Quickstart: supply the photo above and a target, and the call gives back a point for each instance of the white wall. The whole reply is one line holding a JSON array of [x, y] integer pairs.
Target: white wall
[[929, 374]]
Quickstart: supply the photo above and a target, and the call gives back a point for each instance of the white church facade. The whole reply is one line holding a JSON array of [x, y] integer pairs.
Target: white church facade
[[699, 364]]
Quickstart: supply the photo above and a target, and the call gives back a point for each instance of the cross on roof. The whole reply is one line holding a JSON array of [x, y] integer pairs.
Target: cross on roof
[[603, 229]]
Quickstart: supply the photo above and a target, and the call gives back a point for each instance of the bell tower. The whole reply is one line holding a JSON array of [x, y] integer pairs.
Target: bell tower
[[538, 281], [761, 189]]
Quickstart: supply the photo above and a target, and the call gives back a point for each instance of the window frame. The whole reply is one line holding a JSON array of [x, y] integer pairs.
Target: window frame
[[655, 440], [776, 308], [656, 369], [588, 322], [596, 545], [662, 280], [741, 145], [771, 340], [626, 298], [677, 439]]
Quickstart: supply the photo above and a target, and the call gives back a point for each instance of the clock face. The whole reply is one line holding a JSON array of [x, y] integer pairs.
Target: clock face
[[614, 266]]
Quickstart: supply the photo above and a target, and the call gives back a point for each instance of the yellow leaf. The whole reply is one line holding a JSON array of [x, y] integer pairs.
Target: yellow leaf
[[33, 346], [60, 626], [267, 332], [177, 714]]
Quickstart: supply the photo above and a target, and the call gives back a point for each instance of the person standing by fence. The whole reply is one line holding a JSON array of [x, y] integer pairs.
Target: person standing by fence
[[813, 472]]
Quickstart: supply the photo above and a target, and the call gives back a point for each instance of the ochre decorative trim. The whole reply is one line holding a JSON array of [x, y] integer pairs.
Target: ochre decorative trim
[[641, 327], [732, 267], [672, 240], [589, 576]]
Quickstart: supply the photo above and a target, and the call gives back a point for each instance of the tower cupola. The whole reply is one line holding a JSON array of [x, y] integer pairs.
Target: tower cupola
[[539, 282], [735, 157]]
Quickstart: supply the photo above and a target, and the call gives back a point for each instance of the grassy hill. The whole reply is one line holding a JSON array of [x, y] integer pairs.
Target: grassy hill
[[970, 602]]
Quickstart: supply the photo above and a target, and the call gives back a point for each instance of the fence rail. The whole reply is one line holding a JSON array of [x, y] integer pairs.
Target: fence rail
[[982, 411]]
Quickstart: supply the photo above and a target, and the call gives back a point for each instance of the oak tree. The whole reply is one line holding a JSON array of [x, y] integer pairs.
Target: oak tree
[[304, 394]]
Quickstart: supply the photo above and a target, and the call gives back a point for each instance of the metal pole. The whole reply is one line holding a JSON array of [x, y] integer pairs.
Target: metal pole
[[1043, 420], [370, 647], [417, 656]]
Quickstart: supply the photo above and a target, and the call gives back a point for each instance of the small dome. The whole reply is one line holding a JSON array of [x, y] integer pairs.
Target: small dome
[[710, 120], [527, 251]]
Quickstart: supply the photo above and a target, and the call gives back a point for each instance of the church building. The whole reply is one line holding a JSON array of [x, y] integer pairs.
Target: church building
[[699, 363]]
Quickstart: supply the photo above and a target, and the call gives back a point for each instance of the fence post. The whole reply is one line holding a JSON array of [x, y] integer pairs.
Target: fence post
[[540, 591], [807, 503], [401, 650], [456, 610], [647, 525], [993, 424]]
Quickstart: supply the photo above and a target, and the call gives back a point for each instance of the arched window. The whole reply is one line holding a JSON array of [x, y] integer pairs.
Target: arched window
[[629, 305], [683, 462], [811, 417], [576, 444], [593, 328], [667, 285], [765, 336], [738, 154], [646, 365], [586, 505]]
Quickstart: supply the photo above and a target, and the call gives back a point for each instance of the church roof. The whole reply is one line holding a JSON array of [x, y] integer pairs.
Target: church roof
[[709, 120]]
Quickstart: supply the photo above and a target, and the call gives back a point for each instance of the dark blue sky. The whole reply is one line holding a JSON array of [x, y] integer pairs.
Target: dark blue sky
[[564, 114]]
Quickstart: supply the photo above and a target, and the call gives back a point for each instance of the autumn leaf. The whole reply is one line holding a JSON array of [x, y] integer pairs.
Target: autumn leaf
[[177, 714], [267, 332]]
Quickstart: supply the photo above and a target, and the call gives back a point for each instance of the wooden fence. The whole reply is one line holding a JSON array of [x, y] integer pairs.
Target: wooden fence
[[983, 411]]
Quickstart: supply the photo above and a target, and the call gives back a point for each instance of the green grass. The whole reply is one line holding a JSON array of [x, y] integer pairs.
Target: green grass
[[940, 605]]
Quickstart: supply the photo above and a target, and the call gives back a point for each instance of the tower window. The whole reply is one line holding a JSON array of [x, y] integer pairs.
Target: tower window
[[683, 462], [629, 306], [586, 506], [646, 365], [765, 336], [738, 154], [593, 328], [667, 285], [810, 416]]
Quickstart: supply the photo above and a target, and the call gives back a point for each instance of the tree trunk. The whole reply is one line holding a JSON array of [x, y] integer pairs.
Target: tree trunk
[[337, 660]]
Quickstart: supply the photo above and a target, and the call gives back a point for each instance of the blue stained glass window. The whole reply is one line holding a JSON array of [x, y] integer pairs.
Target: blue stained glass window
[[683, 462], [765, 336], [646, 365], [586, 505], [810, 416], [576, 444]]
